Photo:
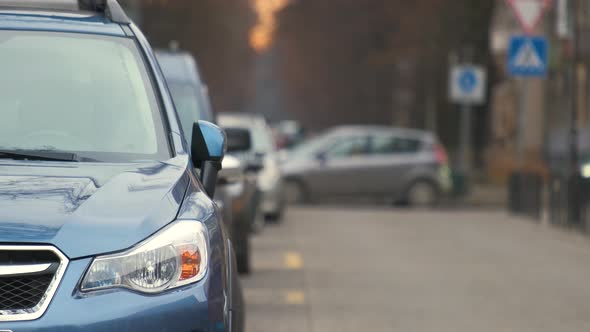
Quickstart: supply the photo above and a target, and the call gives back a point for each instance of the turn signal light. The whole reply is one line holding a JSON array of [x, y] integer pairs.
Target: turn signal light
[[191, 262]]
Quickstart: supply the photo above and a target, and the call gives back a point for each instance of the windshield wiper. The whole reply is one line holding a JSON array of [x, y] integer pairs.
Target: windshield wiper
[[47, 155]]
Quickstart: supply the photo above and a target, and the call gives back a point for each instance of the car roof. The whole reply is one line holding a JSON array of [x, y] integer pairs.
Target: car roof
[[58, 20], [179, 66], [245, 120], [243, 116], [382, 130]]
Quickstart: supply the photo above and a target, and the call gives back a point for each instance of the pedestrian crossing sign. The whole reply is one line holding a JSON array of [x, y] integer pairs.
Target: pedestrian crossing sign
[[527, 56]]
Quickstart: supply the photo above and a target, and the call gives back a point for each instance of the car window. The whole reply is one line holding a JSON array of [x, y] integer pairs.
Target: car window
[[348, 147], [78, 93], [207, 111], [389, 144], [312, 146], [262, 139], [187, 105]]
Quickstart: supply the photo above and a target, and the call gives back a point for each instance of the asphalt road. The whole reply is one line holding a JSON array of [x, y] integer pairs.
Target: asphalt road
[[342, 269]]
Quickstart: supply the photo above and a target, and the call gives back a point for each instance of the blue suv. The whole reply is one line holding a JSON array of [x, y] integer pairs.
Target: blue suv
[[106, 216]]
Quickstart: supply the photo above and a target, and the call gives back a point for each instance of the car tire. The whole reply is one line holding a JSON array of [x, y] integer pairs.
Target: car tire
[[293, 192], [276, 217], [259, 221], [422, 194], [243, 257]]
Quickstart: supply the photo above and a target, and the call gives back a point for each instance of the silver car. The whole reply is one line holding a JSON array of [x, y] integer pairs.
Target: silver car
[[264, 151], [400, 165]]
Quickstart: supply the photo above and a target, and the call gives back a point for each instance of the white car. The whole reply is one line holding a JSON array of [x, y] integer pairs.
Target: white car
[[263, 151]]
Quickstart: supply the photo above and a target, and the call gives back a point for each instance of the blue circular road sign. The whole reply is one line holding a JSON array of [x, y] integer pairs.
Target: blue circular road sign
[[468, 81]]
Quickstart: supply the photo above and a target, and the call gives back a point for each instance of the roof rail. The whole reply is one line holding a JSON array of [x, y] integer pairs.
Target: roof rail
[[109, 8]]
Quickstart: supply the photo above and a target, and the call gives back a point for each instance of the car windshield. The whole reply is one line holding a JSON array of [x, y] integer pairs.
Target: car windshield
[[86, 94]]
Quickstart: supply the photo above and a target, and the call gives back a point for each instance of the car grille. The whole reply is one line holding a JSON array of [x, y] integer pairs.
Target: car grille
[[29, 277]]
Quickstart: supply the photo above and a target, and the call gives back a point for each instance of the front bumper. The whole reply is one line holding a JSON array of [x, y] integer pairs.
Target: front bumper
[[272, 199], [197, 307]]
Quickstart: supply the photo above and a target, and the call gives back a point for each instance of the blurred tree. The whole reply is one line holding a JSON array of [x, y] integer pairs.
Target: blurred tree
[[330, 62], [377, 61], [216, 32]]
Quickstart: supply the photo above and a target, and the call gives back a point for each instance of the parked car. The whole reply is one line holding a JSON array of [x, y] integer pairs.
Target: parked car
[[263, 150], [401, 165], [105, 224], [289, 134], [236, 191]]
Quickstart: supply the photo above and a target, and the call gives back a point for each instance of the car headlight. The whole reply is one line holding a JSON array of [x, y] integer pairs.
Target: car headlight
[[174, 257], [586, 171]]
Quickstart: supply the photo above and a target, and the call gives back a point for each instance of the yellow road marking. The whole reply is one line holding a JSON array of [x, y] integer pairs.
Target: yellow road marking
[[293, 261], [295, 297]]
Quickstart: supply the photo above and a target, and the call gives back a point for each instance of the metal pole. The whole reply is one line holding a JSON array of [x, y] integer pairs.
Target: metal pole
[[574, 162], [520, 125], [431, 117], [516, 186], [466, 111], [574, 193]]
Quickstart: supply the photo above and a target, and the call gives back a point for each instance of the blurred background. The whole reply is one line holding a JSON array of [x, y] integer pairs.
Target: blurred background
[[327, 63], [496, 91]]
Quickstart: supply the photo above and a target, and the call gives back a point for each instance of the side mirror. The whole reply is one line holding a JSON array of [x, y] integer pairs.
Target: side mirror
[[238, 139], [255, 164], [207, 150], [232, 170]]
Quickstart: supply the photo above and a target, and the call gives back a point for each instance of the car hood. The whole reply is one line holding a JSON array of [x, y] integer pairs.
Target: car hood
[[87, 209]]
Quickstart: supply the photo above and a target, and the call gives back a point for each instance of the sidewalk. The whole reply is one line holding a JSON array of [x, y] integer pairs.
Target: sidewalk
[[482, 196]]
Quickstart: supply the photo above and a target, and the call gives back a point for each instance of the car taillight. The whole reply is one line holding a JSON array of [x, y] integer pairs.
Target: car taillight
[[441, 154]]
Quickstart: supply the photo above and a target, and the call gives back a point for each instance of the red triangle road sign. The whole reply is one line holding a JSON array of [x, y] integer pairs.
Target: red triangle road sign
[[529, 12]]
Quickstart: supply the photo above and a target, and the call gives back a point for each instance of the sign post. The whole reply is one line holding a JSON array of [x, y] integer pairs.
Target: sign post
[[527, 57], [467, 88]]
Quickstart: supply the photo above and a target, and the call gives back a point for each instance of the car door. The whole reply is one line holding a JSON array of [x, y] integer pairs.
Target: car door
[[390, 162], [338, 165]]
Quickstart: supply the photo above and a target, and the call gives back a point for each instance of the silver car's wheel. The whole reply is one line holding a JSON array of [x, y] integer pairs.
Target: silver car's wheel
[[422, 194], [293, 193], [259, 221]]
